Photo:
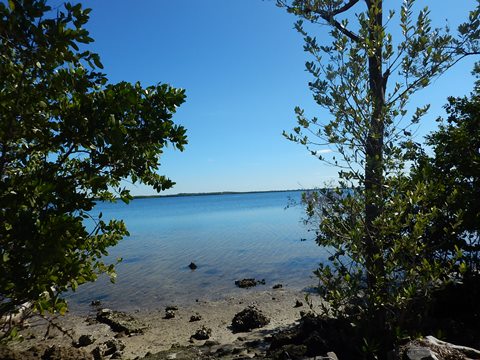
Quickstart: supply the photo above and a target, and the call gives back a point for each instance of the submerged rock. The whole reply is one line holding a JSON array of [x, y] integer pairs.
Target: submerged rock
[[248, 319], [250, 282], [120, 321]]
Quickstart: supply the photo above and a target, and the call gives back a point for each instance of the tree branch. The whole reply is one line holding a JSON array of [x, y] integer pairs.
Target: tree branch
[[345, 7], [327, 16]]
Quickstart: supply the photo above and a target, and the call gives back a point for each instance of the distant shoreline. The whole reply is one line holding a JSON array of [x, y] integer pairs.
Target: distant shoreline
[[218, 193]]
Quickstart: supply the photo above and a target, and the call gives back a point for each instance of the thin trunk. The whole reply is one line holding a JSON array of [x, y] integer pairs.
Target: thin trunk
[[374, 175]]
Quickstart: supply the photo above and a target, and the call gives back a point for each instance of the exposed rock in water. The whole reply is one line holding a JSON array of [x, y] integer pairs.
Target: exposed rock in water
[[96, 303], [277, 286], [171, 307], [247, 283], [248, 319], [192, 265], [120, 321]]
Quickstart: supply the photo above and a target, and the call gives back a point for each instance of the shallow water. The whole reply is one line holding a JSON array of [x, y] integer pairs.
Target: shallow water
[[229, 237]]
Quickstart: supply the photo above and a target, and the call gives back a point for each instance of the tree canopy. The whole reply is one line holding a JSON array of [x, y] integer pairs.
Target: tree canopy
[[68, 138]]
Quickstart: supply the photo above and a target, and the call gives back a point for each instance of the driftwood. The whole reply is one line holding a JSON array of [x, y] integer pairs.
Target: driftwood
[[18, 316]]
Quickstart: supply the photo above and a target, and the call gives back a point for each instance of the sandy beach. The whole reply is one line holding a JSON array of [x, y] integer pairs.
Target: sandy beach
[[281, 306]]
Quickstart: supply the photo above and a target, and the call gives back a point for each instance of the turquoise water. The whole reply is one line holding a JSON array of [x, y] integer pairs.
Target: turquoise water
[[229, 237]]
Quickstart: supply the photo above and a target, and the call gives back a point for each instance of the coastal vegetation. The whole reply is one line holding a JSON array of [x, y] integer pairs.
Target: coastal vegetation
[[402, 224], [68, 138], [396, 238]]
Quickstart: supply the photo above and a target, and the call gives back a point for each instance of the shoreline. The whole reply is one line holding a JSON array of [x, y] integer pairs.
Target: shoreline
[[161, 333]]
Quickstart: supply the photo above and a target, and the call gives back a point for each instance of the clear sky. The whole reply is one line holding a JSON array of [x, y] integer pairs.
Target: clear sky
[[242, 66]]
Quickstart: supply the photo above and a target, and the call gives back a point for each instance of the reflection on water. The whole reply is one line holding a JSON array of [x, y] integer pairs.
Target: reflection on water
[[228, 236]]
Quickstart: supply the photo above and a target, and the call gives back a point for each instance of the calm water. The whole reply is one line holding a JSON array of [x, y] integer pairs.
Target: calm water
[[229, 237]]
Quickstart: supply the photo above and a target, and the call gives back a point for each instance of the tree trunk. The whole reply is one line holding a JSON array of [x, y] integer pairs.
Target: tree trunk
[[374, 174]]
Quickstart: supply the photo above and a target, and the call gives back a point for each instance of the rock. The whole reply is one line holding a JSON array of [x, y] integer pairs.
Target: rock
[[171, 307], [224, 350], [85, 340], [96, 303], [248, 319], [169, 314], [202, 334], [298, 303], [97, 353], [192, 266], [419, 353], [195, 317], [277, 286], [247, 283], [113, 346], [319, 335], [120, 321]]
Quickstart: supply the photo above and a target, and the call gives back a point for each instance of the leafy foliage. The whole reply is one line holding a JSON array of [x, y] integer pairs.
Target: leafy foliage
[[375, 222], [67, 139], [452, 174]]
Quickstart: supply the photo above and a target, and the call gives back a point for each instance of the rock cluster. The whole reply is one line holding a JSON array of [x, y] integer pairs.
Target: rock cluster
[[203, 333], [248, 319], [112, 348]]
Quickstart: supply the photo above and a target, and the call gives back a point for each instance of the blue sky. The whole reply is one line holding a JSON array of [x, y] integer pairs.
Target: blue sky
[[242, 66]]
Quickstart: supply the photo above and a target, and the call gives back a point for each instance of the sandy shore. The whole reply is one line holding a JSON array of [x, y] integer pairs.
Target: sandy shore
[[160, 334]]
